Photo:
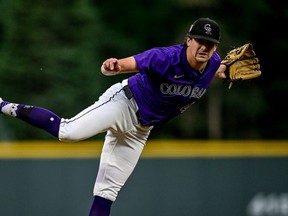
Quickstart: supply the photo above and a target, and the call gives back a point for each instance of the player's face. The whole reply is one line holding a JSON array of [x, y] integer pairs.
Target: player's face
[[200, 50]]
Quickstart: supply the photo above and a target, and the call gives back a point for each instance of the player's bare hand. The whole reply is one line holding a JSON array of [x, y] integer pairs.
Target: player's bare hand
[[111, 66], [221, 72]]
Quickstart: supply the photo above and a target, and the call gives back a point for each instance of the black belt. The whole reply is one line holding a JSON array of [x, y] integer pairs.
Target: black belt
[[129, 95], [128, 92]]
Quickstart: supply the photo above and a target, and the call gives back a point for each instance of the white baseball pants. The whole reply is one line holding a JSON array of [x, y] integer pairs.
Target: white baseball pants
[[124, 141]]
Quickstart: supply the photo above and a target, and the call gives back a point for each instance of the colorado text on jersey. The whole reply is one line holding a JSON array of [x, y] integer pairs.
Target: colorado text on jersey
[[184, 90]]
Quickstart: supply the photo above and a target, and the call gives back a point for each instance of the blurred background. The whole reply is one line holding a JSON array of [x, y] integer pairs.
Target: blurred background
[[51, 53], [228, 154]]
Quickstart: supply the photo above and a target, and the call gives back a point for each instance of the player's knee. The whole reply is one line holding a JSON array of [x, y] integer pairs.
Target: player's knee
[[69, 138], [69, 135], [69, 131]]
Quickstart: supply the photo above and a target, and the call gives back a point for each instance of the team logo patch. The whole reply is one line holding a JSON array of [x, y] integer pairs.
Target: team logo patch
[[208, 29]]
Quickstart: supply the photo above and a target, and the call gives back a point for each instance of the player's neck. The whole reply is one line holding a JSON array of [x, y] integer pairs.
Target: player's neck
[[203, 68], [199, 66]]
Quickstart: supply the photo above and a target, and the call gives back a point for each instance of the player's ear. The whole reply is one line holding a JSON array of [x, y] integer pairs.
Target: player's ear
[[188, 40]]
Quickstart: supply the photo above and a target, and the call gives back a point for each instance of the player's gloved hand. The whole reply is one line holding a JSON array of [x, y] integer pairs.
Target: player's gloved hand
[[242, 64], [110, 67]]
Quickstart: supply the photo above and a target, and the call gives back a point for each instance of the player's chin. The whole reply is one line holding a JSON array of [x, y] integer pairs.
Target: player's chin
[[202, 58]]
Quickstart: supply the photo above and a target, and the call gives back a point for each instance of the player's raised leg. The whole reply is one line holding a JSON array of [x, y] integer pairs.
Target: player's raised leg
[[36, 116], [50, 122]]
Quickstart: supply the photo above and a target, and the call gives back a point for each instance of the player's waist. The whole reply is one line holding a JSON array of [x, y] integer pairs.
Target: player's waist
[[126, 89], [129, 94], [141, 116]]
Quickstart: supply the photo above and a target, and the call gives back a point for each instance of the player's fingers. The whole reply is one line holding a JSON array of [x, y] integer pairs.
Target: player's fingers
[[220, 75], [107, 64], [112, 63]]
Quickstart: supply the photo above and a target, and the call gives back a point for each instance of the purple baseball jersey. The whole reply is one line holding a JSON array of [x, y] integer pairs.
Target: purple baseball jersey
[[166, 85]]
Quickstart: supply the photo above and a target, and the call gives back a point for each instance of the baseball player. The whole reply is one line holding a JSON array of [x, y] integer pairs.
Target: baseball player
[[166, 81]]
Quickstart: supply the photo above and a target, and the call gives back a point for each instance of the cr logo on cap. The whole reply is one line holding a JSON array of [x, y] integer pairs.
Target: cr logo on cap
[[208, 29]]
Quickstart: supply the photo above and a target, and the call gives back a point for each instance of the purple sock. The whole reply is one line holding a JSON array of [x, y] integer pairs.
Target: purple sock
[[39, 117], [100, 207]]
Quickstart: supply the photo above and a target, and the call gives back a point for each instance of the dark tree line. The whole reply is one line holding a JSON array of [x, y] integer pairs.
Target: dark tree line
[[51, 53]]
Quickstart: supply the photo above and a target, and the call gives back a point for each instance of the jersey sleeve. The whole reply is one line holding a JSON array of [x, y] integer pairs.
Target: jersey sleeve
[[152, 62]]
